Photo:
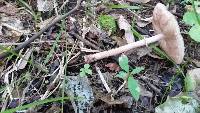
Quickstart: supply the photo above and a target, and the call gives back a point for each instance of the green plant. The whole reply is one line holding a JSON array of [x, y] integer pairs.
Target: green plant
[[107, 23], [192, 18], [85, 70], [35, 15], [37, 103], [125, 74]]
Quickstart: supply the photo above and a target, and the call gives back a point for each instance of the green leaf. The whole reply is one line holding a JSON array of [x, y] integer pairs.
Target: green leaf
[[190, 83], [137, 70], [36, 103], [82, 69], [190, 18], [119, 6], [86, 66], [121, 74], [88, 71], [82, 74], [123, 62], [194, 33], [134, 88]]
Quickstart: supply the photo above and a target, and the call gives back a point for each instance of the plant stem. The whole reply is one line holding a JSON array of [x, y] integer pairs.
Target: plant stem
[[195, 11]]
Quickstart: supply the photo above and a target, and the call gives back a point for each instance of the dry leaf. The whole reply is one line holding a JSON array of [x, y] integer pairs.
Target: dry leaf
[[9, 9], [11, 29], [45, 5], [45, 22], [79, 87], [143, 51], [24, 60], [143, 22], [195, 74], [123, 24], [196, 62], [138, 1], [110, 100], [113, 67]]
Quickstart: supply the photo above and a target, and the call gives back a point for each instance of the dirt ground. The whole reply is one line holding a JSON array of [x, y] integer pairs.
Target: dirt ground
[[31, 82]]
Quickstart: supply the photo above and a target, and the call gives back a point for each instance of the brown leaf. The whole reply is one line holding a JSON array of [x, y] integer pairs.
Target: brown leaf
[[110, 100], [123, 24], [9, 9], [113, 67], [143, 22], [11, 29]]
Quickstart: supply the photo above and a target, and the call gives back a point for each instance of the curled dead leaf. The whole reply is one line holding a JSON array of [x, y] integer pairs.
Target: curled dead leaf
[[123, 24], [113, 67]]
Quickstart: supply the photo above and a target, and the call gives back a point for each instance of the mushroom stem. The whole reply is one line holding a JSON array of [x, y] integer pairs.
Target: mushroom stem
[[112, 52]]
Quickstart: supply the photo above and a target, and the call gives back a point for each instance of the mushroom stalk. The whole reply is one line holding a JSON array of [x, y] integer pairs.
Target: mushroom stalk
[[112, 52]]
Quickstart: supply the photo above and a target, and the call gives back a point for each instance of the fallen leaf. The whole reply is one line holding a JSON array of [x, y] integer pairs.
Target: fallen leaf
[[113, 67], [45, 5], [143, 22], [45, 22], [24, 60], [196, 62], [143, 51], [11, 29], [138, 1], [9, 9], [110, 100], [195, 74], [79, 87], [192, 81], [123, 24], [179, 104]]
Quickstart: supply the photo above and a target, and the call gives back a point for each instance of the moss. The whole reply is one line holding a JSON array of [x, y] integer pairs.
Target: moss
[[107, 23]]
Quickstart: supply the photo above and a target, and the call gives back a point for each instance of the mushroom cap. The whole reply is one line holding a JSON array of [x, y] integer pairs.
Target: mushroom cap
[[165, 23]]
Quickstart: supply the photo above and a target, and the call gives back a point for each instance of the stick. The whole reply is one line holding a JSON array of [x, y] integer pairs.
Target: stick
[[26, 43], [103, 80]]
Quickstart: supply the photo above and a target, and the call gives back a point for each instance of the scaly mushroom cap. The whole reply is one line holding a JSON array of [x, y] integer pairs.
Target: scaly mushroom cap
[[165, 23]]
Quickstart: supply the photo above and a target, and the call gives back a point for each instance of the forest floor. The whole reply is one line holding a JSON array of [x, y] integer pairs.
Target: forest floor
[[51, 74]]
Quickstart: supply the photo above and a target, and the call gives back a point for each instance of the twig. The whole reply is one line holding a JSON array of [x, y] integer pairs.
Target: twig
[[38, 42], [103, 80], [63, 5], [26, 43], [60, 73], [151, 86], [85, 41], [125, 81]]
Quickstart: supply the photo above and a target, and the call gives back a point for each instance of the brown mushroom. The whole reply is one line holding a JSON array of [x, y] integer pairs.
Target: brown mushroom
[[168, 35]]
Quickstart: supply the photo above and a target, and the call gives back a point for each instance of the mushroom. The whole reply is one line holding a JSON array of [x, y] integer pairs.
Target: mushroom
[[168, 35]]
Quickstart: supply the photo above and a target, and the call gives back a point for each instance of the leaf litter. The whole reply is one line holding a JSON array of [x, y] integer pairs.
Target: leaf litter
[[159, 72]]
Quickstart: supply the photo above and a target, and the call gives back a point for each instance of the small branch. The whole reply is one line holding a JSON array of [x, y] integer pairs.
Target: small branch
[[26, 43], [125, 81], [85, 41], [103, 80], [151, 86]]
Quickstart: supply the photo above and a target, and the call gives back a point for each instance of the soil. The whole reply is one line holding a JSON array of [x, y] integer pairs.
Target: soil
[[154, 79]]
